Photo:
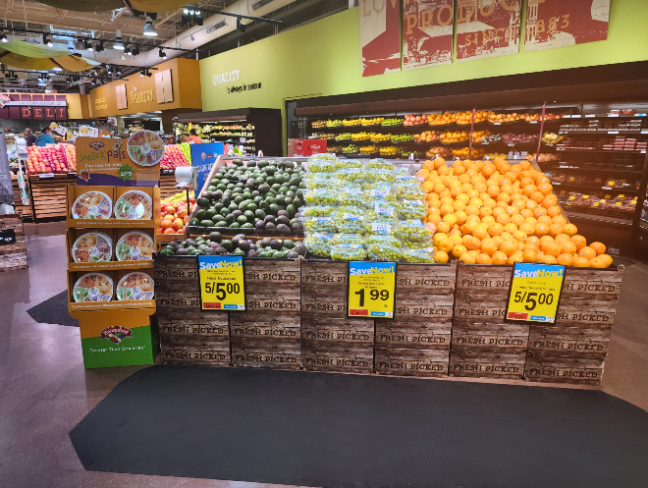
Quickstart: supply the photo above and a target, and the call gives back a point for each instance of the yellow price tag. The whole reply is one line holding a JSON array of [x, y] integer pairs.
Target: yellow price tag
[[372, 289], [222, 283], [535, 292]]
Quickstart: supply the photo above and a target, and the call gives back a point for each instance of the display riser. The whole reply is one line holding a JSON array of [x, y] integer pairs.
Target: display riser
[[449, 321], [13, 256]]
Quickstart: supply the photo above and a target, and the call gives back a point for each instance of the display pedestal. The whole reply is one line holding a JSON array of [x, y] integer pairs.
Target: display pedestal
[[118, 337], [12, 255]]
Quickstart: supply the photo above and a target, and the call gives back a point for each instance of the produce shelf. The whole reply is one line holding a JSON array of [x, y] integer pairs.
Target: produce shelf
[[603, 132], [596, 188], [564, 166], [599, 151], [590, 214]]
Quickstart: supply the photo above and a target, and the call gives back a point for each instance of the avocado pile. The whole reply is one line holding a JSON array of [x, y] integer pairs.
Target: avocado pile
[[240, 245], [263, 196]]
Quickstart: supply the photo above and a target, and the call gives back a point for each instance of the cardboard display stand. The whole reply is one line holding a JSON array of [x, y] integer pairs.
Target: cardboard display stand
[[114, 333]]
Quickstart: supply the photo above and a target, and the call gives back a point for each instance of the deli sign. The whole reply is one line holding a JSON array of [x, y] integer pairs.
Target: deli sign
[[34, 107]]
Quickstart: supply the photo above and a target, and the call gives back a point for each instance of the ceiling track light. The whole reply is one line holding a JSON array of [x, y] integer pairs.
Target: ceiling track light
[[99, 47], [3, 38], [162, 54], [136, 51], [88, 46], [46, 41]]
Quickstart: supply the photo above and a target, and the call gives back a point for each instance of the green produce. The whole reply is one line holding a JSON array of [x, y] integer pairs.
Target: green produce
[[321, 196], [319, 224], [348, 163], [412, 209], [398, 138], [350, 149], [352, 196], [348, 252], [383, 208], [421, 255], [351, 220], [319, 211], [318, 244], [383, 248], [348, 239], [412, 233], [321, 180], [392, 122], [379, 164]]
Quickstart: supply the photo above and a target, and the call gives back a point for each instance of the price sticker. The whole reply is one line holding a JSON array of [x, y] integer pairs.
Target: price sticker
[[222, 283], [535, 292], [372, 288]]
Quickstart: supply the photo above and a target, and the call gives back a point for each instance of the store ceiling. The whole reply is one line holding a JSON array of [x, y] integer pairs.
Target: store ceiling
[[36, 16]]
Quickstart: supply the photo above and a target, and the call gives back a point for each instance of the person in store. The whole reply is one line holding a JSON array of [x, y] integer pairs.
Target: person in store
[[45, 137], [194, 138], [183, 138], [30, 138]]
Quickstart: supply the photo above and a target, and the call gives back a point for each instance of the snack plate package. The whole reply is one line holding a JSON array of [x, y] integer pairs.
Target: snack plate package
[[348, 252], [318, 244], [93, 287], [92, 247], [135, 286], [134, 204], [418, 255], [134, 246], [92, 205]]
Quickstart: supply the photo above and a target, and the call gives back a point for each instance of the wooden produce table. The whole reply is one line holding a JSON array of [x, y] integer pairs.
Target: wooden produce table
[[167, 184], [48, 196], [24, 210], [449, 320]]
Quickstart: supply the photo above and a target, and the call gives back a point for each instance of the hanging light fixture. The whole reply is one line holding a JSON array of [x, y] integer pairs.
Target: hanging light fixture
[[3, 38], [136, 51], [118, 44], [149, 28], [129, 51], [99, 47]]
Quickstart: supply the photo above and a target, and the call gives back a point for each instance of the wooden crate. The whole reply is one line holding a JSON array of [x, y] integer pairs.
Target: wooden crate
[[592, 342], [337, 344], [49, 196], [487, 363], [417, 342], [195, 350], [187, 334], [167, 185], [482, 292], [563, 369], [499, 336], [13, 256], [324, 288]]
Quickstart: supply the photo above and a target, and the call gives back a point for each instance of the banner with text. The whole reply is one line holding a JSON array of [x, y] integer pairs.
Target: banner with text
[[557, 23], [203, 157], [380, 36], [487, 29], [427, 32]]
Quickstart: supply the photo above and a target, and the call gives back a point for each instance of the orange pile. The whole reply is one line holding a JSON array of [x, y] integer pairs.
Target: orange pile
[[495, 213]]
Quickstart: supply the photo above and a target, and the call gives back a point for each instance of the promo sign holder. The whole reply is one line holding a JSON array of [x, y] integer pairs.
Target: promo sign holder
[[222, 283], [535, 292], [372, 289]]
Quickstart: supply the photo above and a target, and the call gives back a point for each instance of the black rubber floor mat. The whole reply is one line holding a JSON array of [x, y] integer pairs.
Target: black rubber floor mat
[[333, 430], [53, 311]]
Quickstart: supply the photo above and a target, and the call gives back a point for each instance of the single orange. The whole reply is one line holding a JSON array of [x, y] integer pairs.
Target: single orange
[[500, 258], [518, 257], [581, 262], [570, 229], [567, 246], [549, 259], [544, 219], [529, 256], [587, 252], [488, 246], [555, 229], [467, 258], [541, 229], [483, 258], [495, 229], [579, 240], [566, 259], [598, 262], [599, 247], [509, 247]]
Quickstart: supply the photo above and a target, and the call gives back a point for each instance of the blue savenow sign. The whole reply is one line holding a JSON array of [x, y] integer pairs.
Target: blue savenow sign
[[203, 157]]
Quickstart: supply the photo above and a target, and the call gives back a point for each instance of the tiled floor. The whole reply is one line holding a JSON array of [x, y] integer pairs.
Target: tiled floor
[[45, 391]]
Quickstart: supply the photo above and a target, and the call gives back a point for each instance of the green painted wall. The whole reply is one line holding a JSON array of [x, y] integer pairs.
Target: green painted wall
[[323, 58]]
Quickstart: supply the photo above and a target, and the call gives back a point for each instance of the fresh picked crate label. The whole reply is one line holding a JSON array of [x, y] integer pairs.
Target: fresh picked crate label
[[160, 273], [185, 354], [486, 368], [337, 335], [259, 331], [410, 365], [197, 329], [411, 338], [251, 358]]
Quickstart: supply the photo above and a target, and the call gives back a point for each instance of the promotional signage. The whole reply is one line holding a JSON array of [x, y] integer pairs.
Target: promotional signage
[[34, 107], [428, 26], [535, 292], [203, 157], [6, 186], [119, 162], [372, 288], [380, 36], [222, 283], [307, 147], [7, 236], [556, 23]]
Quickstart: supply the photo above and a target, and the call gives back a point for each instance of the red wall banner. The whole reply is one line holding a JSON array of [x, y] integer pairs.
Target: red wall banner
[[557, 23], [380, 36], [427, 32], [487, 28]]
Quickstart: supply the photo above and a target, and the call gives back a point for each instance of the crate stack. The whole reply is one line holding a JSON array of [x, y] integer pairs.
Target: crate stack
[[417, 342], [269, 333], [573, 349], [483, 343], [330, 340], [187, 334], [13, 256]]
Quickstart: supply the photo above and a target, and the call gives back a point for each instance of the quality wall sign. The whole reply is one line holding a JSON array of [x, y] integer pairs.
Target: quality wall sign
[[232, 76]]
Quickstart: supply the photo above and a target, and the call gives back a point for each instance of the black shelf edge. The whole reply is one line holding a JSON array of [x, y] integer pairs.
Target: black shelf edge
[[562, 166], [591, 214], [598, 151], [596, 188]]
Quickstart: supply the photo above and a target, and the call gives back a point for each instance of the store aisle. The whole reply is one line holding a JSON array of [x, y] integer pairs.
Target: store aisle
[[45, 390]]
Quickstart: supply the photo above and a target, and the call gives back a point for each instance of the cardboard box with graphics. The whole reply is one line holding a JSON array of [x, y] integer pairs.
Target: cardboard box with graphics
[[104, 344]]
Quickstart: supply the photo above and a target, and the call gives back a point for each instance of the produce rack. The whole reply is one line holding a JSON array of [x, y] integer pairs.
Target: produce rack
[[595, 154], [48, 195], [256, 129]]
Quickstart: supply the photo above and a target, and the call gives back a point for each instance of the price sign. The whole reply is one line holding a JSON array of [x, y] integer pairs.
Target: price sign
[[222, 283], [372, 287], [535, 292]]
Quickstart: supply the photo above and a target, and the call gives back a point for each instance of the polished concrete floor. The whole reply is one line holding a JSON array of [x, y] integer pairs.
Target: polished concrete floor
[[45, 391]]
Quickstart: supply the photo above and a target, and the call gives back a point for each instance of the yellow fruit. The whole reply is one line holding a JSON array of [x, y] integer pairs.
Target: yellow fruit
[[441, 257], [467, 258], [459, 250], [438, 237]]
